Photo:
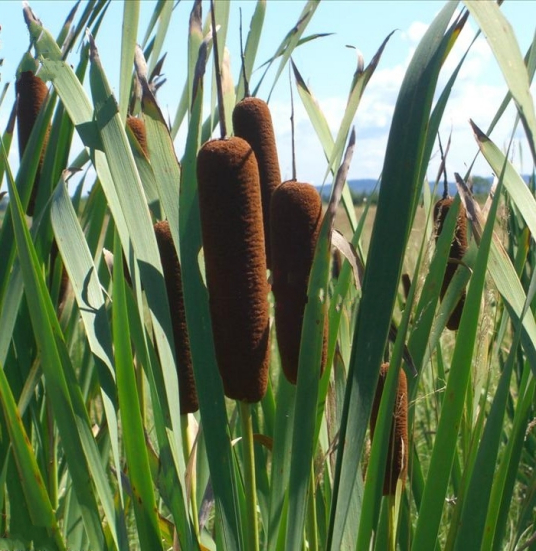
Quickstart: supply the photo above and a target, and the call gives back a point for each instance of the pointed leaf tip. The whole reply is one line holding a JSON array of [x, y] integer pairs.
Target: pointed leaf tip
[[479, 135]]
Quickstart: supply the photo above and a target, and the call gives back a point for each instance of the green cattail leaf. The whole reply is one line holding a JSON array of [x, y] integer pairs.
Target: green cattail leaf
[[321, 126], [164, 11], [507, 473], [309, 367], [508, 284], [513, 182], [503, 43], [251, 47], [140, 229], [84, 279], [38, 501], [162, 153], [291, 40], [59, 374], [195, 38], [131, 15], [359, 83], [477, 498], [453, 402], [208, 380], [400, 186], [133, 433], [281, 457]]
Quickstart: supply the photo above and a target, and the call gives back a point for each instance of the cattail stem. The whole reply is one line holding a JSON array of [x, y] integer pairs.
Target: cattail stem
[[221, 109], [243, 59], [187, 450], [252, 533], [312, 524], [293, 140]]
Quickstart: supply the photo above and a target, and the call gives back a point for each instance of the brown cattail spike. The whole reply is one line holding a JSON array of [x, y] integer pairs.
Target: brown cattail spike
[[458, 249], [31, 95], [235, 264], [296, 215], [252, 122], [138, 129], [397, 455], [172, 275]]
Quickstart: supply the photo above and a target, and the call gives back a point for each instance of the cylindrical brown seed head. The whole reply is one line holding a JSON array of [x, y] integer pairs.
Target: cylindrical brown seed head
[[296, 216], [31, 94], [138, 129], [235, 265], [458, 249], [252, 122], [172, 275], [398, 452]]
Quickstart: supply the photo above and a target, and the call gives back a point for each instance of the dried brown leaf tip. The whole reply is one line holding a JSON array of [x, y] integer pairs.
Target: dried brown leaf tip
[[397, 455], [172, 275], [458, 249], [295, 219], [235, 264], [138, 129], [252, 121], [31, 95]]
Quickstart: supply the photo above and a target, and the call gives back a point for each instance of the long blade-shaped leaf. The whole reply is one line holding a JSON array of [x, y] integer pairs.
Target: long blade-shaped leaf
[[400, 186], [505, 47]]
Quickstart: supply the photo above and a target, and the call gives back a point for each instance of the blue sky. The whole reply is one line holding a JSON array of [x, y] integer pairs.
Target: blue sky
[[327, 66]]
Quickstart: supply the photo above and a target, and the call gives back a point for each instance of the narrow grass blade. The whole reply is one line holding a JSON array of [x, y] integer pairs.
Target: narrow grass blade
[[505, 47], [452, 406], [33, 485], [208, 380], [290, 42], [133, 433], [310, 359], [359, 83], [475, 505], [54, 362], [131, 16], [162, 153], [252, 45], [400, 186]]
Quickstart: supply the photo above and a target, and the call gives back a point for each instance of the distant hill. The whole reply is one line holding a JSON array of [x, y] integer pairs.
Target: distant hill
[[366, 186]]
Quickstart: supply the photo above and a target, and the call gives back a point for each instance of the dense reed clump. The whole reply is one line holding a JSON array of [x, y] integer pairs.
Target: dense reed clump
[[235, 264], [138, 129], [458, 249], [31, 95], [252, 121], [397, 455], [173, 280], [296, 216]]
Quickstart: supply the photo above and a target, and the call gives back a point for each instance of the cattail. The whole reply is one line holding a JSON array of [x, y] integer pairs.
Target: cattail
[[235, 264], [172, 276], [252, 122], [458, 248], [138, 129], [296, 215], [31, 95], [397, 455]]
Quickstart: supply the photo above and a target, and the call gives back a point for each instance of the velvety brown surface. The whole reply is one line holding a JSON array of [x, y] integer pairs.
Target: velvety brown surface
[[457, 249], [31, 94], [138, 128], [296, 216], [235, 264], [172, 276], [397, 456], [252, 122]]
